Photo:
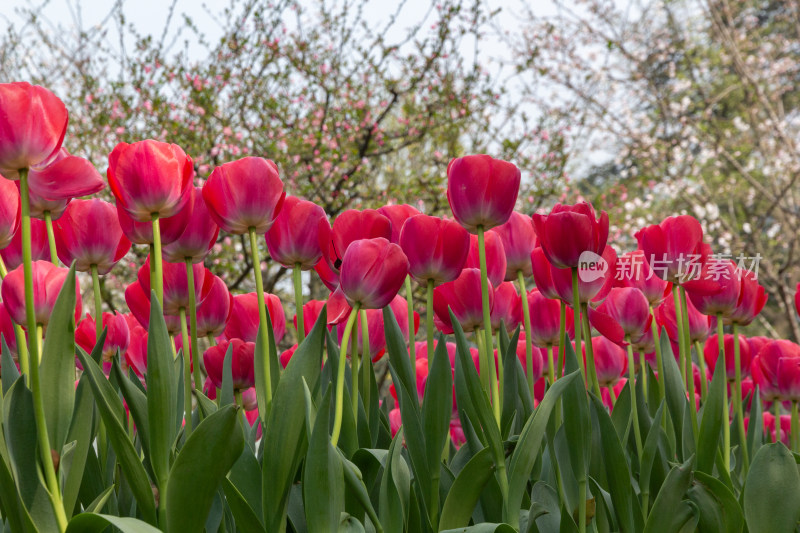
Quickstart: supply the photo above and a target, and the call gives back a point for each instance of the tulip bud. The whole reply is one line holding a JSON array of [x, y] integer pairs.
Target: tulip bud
[[482, 191], [463, 297], [9, 211], [373, 270], [199, 234], [298, 233], [89, 234], [243, 323], [569, 231], [519, 240], [495, 257], [47, 282], [242, 368], [436, 248]]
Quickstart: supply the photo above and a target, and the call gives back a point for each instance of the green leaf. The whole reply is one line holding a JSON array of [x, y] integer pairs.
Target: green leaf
[[161, 392], [395, 489], [244, 516], [97, 523], [100, 501], [755, 433], [676, 392], [577, 425], [57, 368], [466, 491], [772, 491], [226, 392], [12, 507], [651, 448], [354, 481], [10, 372], [284, 439], [484, 528], [112, 412], [137, 405], [437, 405], [714, 410], [670, 512], [203, 461], [80, 432], [719, 510], [323, 479]]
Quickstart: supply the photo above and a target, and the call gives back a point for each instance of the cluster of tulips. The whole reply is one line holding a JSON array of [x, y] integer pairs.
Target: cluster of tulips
[[670, 296]]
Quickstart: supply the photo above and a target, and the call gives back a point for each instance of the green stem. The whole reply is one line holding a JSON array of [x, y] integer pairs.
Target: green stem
[[551, 371], [410, 310], [662, 388], [794, 438], [689, 369], [355, 361], [98, 304], [610, 389], [51, 238], [726, 420], [297, 279], [428, 324], [211, 340], [737, 399], [562, 340], [576, 307], [590, 366], [643, 368], [187, 373], [337, 417], [483, 361], [19, 333], [637, 434], [487, 326], [53, 487], [237, 397], [776, 412], [195, 353], [581, 503], [679, 323], [526, 320], [366, 367], [158, 268], [262, 318], [701, 361]]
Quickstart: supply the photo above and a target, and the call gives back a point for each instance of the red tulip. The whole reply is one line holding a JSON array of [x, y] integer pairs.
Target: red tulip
[[543, 274], [9, 211], [519, 240], [117, 336], [726, 298], [328, 276], [422, 378], [633, 270], [700, 325], [136, 354], [63, 178], [171, 228], [623, 315], [674, 247], [436, 248], [463, 296], [546, 320], [397, 215], [570, 230], [40, 250], [39, 205], [507, 308], [421, 351], [610, 360], [215, 311], [482, 191], [243, 323], [538, 360], [33, 127], [245, 194], [789, 378], [47, 282], [199, 235], [150, 178], [752, 299], [770, 429], [298, 234], [373, 270], [7, 330], [756, 343], [495, 257], [176, 286], [353, 225], [646, 344], [377, 335], [138, 300], [769, 365], [311, 311], [287, 355], [395, 421], [242, 367], [588, 291], [711, 352], [89, 234]]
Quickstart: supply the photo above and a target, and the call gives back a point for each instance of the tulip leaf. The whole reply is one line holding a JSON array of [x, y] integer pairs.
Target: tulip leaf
[[670, 512], [772, 491], [244, 516], [395, 489], [274, 365], [650, 449], [226, 392], [57, 368], [577, 425], [284, 437], [112, 413], [206, 457], [14, 511], [483, 528], [466, 490], [755, 432], [719, 510], [675, 391], [510, 381], [354, 481], [10, 372], [137, 404], [80, 432], [97, 523], [714, 410], [437, 407]]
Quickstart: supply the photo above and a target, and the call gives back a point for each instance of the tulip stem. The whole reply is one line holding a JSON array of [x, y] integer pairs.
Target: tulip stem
[[298, 302], [211, 340], [776, 412], [662, 388], [551, 366], [562, 340], [19, 333], [590, 366], [410, 310], [794, 440], [679, 323], [262, 318], [703, 375], [365, 365], [612, 395], [187, 373], [428, 326], [576, 307], [355, 362], [159, 268], [198, 375], [737, 398], [581, 501], [637, 434], [337, 417], [642, 363], [687, 344], [726, 421], [53, 487], [487, 325], [526, 321], [51, 238], [98, 304]]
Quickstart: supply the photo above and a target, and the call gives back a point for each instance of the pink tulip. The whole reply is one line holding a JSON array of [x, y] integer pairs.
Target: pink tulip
[[570, 230], [89, 234], [298, 234], [519, 240], [752, 299], [674, 248], [243, 323], [40, 250], [397, 215], [463, 296], [726, 298], [9, 211], [543, 274], [7, 329], [711, 352], [756, 343], [176, 286], [117, 336], [610, 360], [136, 354], [623, 315], [539, 360], [150, 178], [47, 282], [245, 194], [311, 311], [700, 325], [774, 376], [436, 248], [373, 270], [395, 421], [199, 235], [286, 355], [482, 191], [546, 320], [138, 300], [495, 257], [588, 291], [242, 368], [633, 270], [351, 226], [171, 228], [326, 273], [507, 308], [215, 311], [65, 177]]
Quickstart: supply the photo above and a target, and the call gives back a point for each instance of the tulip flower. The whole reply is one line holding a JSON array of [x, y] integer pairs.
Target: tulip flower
[[589, 290], [610, 361], [436, 248], [199, 234], [90, 235], [752, 299], [756, 343], [539, 360], [7, 330], [569, 231], [495, 257], [244, 320], [543, 274], [482, 191], [136, 354], [297, 234], [462, 296], [633, 270], [65, 177], [311, 312], [117, 336], [12, 253], [724, 301], [326, 273], [215, 311], [700, 325], [9, 211], [353, 225], [176, 291], [138, 302], [397, 215], [286, 355], [624, 315], [45, 208], [170, 228], [519, 240], [47, 282], [767, 367], [545, 323], [507, 307], [674, 248], [711, 352], [376, 333], [242, 363], [372, 272]]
